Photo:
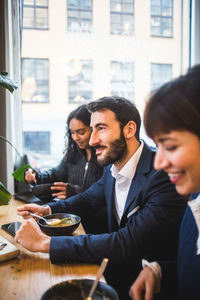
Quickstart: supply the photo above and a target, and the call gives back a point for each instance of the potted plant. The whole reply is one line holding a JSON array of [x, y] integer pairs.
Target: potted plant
[[5, 196]]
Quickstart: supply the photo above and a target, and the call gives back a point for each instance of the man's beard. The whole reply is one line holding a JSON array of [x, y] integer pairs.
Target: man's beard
[[117, 152]]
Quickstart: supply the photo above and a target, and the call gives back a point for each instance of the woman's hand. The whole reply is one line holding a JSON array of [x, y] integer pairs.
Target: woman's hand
[[61, 187], [31, 237], [34, 208], [143, 287], [30, 176]]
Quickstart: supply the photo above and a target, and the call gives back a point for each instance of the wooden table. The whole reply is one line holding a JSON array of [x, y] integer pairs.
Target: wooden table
[[29, 275]]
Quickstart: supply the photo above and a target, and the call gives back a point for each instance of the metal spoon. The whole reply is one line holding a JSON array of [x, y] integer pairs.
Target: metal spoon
[[99, 274], [49, 223]]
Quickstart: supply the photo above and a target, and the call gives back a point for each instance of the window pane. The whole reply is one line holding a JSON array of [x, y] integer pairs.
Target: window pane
[[79, 16], [155, 10], [115, 6], [166, 27], [86, 4], [29, 2], [41, 18], [121, 17], [160, 73], [42, 2], [155, 26], [37, 142], [72, 3], [128, 8], [73, 13], [35, 82], [35, 14], [80, 81], [28, 19], [160, 25], [122, 80]]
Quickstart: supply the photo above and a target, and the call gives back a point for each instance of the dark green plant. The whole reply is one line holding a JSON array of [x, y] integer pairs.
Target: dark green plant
[[5, 196]]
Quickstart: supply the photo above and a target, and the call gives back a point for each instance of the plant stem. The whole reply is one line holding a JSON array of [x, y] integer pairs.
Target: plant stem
[[3, 138]]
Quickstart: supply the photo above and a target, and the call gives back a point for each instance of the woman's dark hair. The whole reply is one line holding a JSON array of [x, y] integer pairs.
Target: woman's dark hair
[[123, 109], [72, 150], [175, 106]]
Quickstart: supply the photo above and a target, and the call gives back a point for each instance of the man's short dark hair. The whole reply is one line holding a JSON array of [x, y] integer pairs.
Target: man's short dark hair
[[123, 109]]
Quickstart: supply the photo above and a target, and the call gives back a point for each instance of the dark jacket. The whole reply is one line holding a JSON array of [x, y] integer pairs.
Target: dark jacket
[[74, 173], [183, 275], [151, 232]]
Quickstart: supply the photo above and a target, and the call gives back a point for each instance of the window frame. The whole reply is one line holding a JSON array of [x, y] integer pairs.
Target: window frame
[[161, 23], [35, 71], [122, 16], [35, 7], [79, 10], [35, 137], [70, 80]]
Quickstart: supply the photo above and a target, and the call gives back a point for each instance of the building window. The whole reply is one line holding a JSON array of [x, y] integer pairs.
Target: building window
[[121, 16], [79, 15], [80, 81], [162, 18], [160, 73], [35, 14], [35, 80], [36, 141], [122, 79]]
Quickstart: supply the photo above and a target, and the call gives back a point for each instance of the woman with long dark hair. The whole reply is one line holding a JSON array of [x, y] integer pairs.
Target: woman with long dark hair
[[79, 168]]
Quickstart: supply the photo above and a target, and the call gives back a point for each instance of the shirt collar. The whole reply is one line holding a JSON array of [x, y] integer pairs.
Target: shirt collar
[[129, 168]]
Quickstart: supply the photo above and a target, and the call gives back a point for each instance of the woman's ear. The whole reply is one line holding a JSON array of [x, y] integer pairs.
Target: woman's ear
[[130, 129]]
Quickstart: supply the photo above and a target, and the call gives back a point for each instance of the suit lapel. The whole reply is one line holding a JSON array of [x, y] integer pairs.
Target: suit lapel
[[139, 181]]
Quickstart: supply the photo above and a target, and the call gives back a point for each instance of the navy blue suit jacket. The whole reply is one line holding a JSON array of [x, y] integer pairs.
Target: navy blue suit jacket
[[149, 233], [187, 267]]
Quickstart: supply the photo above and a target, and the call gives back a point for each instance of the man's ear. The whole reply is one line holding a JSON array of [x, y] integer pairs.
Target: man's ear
[[130, 129]]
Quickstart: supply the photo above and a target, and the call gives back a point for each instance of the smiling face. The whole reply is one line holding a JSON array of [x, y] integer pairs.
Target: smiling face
[[107, 138], [178, 155], [80, 133]]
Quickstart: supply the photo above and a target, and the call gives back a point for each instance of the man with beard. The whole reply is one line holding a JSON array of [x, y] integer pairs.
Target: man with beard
[[142, 207]]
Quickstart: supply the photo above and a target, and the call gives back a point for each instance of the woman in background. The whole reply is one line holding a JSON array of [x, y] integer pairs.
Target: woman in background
[[78, 169], [172, 120]]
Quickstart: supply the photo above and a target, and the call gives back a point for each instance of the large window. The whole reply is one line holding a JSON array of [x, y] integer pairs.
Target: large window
[[160, 73], [79, 15], [121, 16], [80, 81], [37, 141], [35, 80], [162, 18], [94, 49], [122, 81], [35, 14]]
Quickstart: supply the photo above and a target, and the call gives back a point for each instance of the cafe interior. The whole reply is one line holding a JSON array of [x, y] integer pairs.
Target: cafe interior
[[31, 275]]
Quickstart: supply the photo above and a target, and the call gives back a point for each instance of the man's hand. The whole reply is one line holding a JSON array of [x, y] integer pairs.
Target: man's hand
[[31, 237], [34, 208], [143, 287], [30, 176], [62, 188]]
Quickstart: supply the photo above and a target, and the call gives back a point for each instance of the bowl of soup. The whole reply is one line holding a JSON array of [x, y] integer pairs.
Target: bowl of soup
[[78, 289], [69, 224]]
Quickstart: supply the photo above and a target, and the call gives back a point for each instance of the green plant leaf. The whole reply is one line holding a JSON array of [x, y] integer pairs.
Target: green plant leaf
[[19, 173], [6, 82], [4, 195]]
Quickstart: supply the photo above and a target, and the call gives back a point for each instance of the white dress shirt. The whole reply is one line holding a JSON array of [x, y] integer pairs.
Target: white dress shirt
[[123, 181], [195, 208]]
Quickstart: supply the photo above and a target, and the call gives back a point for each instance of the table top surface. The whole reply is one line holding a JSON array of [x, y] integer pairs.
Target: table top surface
[[29, 275]]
